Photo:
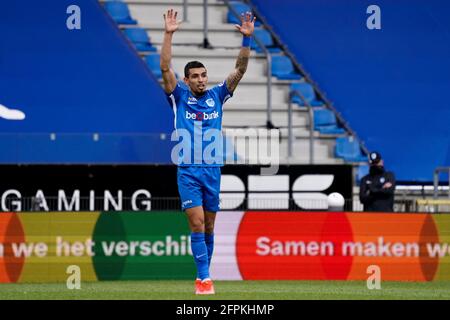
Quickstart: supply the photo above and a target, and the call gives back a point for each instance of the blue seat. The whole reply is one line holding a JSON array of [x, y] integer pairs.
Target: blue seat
[[265, 37], [348, 148], [140, 39], [283, 69], [152, 61], [240, 7], [119, 12], [325, 122], [308, 93]]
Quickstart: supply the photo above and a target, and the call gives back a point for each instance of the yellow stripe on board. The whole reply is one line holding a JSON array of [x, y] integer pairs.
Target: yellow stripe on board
[[55, 241], [442, 222]]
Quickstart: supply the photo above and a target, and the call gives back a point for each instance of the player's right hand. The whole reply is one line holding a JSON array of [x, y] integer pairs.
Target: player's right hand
[[171, 23]]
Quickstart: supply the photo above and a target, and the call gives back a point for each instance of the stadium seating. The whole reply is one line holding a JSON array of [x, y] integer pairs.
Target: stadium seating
[[325, 122], [119, 12], [283, 69], [307, 91], [240, 7], [265, 37], [109, 119], [367, 74], [152, 61], [140, 39], [348, 148]]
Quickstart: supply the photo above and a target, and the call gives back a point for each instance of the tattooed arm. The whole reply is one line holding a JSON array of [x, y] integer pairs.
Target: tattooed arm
[[247, 28], [239, 70]]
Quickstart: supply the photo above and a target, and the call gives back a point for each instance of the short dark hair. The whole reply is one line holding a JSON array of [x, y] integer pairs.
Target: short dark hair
[[191, 65]]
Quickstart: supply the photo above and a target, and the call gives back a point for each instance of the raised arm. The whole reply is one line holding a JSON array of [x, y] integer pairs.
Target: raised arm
[[246, 28], [171, 25]]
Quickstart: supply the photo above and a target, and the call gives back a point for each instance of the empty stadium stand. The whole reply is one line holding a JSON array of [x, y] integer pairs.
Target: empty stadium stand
[[86, 95], [390, 85], [248, 107], [140, 39], [94, 94]]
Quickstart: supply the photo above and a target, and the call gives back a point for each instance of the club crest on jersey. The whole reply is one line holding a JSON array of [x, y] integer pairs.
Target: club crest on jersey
[[210, 103]]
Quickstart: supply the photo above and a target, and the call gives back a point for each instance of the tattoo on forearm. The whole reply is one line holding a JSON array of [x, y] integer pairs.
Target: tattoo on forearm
[[242, 63], [240, 68]]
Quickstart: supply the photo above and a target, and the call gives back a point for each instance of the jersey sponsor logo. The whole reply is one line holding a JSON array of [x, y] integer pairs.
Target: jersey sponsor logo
[[210, 103], [192, 100], [200, 116]]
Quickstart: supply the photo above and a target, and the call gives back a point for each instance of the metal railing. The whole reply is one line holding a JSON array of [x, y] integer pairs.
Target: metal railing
[[268, 57], [185, 10], [206, 43], [436, 174], [143, 203], [311, 126], [149, 204], [308, 79]]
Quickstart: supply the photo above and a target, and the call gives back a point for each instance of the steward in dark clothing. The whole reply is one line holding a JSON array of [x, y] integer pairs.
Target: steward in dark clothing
[[376, 191]]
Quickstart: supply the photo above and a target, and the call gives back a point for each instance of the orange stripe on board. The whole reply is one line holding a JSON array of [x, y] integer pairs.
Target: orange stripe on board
[[10, 231], [393, 243], [4, 221], [14, 234]]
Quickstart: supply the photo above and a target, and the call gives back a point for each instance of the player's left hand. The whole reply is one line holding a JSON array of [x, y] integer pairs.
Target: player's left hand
[[247, 24]]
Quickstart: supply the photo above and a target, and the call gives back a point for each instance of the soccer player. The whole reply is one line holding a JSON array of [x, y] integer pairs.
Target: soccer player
[[199, 110]]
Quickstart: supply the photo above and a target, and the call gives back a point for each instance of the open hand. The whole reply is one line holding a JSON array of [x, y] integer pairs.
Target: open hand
[[171, 23], [247, 24]]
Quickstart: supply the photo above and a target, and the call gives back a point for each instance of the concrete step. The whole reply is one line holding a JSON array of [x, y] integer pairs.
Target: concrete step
[[171, 2], [323, 151], [258, 119], [217, 38], [249, 151], [257, 94], [180, 51], [222, 67], [152, 13], [300, 133], [249, 107], [155, 27]]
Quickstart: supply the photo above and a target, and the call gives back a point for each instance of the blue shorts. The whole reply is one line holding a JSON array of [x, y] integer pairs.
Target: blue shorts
[[199, 186]]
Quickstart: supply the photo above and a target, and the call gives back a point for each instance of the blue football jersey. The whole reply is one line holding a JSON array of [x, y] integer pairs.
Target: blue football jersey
[[198, 126]]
